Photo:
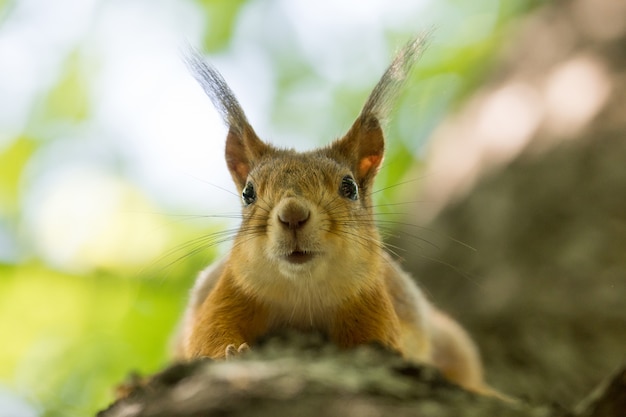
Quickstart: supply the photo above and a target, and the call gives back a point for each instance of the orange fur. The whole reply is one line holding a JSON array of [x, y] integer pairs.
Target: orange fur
[[226, 317], [368, 317]]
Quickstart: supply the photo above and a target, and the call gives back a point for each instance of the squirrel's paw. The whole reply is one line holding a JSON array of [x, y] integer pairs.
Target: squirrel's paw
[[232, 351]]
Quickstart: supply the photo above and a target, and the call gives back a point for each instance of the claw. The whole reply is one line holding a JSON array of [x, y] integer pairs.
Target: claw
[[232, 351]]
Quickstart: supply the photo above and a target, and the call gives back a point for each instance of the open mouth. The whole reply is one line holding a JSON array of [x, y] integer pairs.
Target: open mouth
[[299, 257]]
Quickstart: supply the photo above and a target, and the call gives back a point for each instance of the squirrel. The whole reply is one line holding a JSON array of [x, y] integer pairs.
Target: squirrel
[[308, 255]]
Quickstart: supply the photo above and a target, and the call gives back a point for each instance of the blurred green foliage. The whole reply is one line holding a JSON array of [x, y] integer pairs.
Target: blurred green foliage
[[68, 100], [13, 160], [221, 17], [68, 338]]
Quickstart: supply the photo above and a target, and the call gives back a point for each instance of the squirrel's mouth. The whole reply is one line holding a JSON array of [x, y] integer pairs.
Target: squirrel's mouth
[[299, 256]]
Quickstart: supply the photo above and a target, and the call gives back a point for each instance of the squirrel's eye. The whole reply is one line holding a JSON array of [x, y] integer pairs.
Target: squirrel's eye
[[348, 188], [248, 195]]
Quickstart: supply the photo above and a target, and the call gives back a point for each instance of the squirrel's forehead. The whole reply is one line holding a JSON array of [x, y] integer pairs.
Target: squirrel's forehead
[[300, 167]]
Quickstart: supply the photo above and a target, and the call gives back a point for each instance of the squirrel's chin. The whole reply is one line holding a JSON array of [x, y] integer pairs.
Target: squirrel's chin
[[295, 264]]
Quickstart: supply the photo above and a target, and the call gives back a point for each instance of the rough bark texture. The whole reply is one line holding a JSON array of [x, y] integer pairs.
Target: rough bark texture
[[305, 376], [543, 293], [302, 375]]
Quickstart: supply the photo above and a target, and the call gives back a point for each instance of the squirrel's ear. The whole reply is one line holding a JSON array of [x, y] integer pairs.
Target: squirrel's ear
[[364, 141], [243, 149], [363, 146]]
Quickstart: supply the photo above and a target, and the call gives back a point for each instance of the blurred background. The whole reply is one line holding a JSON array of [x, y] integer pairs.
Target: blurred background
[[112, 179]]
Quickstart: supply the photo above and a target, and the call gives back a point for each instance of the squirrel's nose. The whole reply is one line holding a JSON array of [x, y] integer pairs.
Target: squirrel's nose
[[293, 215]]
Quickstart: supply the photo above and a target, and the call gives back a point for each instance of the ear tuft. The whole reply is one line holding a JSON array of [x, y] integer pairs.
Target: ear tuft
[[380, 100]]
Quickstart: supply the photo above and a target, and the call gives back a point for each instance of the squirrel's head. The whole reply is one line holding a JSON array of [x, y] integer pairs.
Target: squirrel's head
[[307, 216]]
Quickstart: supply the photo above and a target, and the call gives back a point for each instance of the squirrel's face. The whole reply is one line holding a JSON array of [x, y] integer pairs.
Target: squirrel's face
[[305, 214], [308, 232]]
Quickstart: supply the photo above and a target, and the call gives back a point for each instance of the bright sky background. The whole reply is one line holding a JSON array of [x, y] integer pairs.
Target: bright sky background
[[144, 104], [146, 109]]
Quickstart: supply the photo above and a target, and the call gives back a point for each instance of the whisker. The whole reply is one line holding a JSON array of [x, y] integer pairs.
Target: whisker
[[395, 185], [219, 187], [349, 216], [197, 245]]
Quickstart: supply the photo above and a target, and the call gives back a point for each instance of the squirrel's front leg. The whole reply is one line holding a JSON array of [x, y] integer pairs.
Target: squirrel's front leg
[[226, 322], [368, 318]]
